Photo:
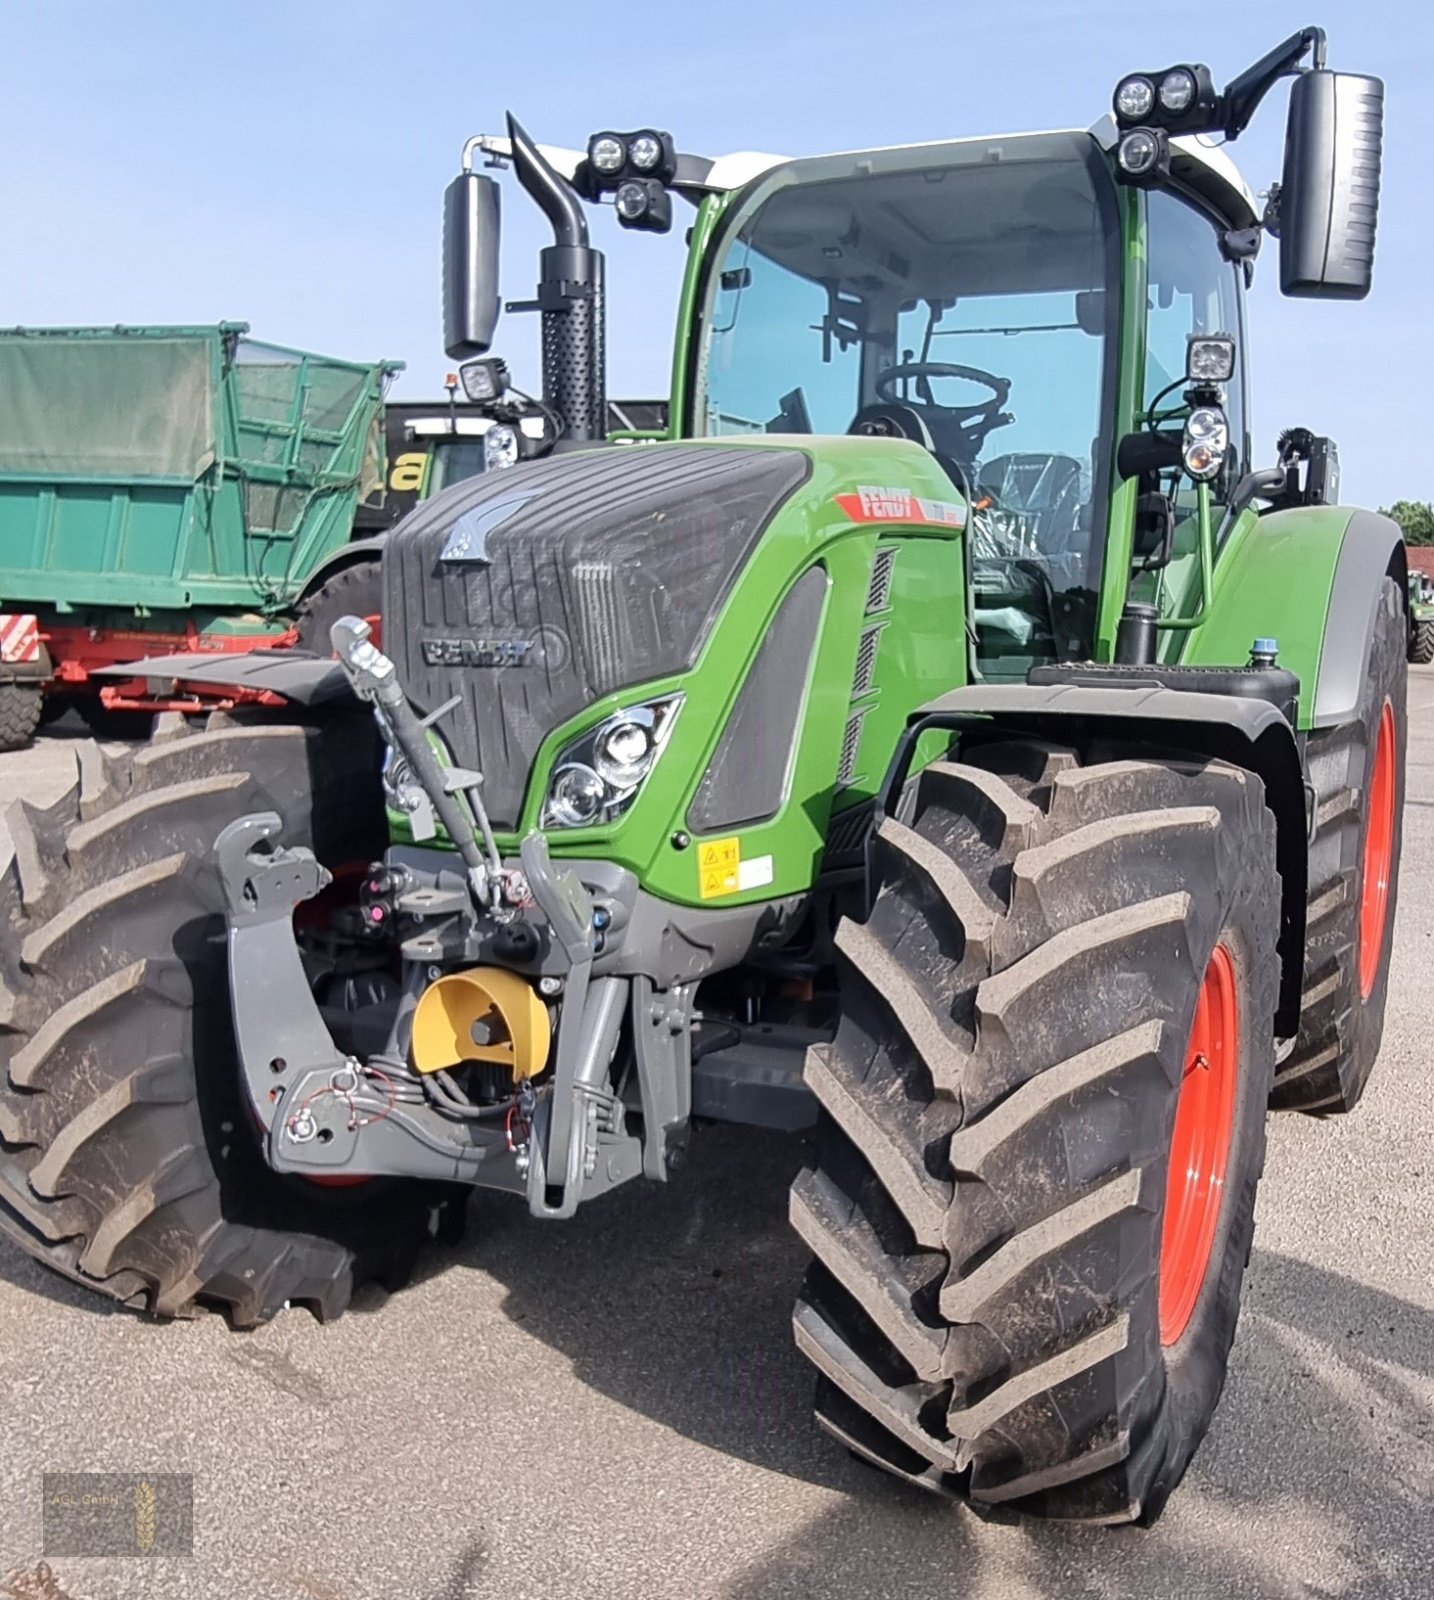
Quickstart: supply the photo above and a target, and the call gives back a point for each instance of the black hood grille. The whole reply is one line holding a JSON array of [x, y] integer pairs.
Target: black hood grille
[[584, 574]]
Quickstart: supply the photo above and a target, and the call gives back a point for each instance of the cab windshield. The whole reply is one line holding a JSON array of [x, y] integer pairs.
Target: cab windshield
[[963, 297]]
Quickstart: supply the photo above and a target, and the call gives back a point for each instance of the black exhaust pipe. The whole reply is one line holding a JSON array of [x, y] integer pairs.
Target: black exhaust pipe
[[570, 298]]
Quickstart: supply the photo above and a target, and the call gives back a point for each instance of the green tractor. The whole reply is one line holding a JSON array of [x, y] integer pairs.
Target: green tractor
[[945, 742], [1421, 619]]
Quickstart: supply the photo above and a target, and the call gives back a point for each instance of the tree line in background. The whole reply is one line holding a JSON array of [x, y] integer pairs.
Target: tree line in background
[[1416, 517]]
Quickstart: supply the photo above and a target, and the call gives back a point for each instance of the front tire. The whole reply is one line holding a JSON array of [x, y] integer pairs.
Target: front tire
[[1003, 1303], [1421, 643], [129, 1158]]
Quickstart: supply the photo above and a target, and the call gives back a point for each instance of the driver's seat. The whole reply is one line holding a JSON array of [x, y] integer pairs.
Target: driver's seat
[[1047, 487]]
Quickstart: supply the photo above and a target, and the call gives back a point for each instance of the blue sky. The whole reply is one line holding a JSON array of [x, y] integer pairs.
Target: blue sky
[[284, 162]]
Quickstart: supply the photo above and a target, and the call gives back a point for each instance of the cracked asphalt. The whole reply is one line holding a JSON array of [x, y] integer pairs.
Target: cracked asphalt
[[612, 1406]]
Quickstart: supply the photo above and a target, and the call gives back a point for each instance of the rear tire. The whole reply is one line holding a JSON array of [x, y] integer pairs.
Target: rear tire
[[129, 1157], [20, 706], [990, 1286], [1342, 1018], [1421, 643], [355, 591]]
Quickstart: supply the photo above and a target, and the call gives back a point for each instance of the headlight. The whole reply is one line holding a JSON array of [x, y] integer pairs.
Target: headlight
[[576, 797], [645, 151], [500, 447], [1177, 91], [484, 380], [631, 200], [1210, 358], [598, 776], [607, 153], [1135, 99], [1207, 439], [1138, 152]]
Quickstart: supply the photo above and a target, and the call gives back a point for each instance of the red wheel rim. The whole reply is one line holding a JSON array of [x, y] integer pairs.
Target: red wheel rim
[[1200, 1146], [1378, 855]]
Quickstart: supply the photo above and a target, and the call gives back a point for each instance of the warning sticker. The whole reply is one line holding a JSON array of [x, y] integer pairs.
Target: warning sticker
[[719, 867]]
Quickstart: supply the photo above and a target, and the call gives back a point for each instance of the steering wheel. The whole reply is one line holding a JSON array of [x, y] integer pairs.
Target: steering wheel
[[959, 432], [922, 372]]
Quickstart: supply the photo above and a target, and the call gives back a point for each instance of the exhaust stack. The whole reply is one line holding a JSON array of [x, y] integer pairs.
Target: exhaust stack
[[570, 298]]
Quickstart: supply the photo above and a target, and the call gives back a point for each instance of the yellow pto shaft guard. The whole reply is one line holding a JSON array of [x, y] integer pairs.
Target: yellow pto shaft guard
[[485, 1014]]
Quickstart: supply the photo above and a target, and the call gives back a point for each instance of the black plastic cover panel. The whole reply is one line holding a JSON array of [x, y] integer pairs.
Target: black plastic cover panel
[[746, 780], [530, 593]]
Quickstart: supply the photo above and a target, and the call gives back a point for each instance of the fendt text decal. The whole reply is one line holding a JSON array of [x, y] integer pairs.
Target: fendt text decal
[[900, 505]]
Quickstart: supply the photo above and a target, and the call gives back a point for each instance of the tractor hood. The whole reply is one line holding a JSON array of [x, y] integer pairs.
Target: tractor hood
[[529, 594]]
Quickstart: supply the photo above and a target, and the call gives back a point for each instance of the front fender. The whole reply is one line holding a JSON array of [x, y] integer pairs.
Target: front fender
[[1309, 577], [1245, 732]]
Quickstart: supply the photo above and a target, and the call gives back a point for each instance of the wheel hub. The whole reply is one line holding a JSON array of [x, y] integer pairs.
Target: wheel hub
[[1200, 1146]]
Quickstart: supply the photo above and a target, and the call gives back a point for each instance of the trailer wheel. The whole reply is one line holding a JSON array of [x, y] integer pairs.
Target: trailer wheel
[[1357, 774], [129, 1160], [20, 706], [355, 591], [1043, 1125], [1421, 643]]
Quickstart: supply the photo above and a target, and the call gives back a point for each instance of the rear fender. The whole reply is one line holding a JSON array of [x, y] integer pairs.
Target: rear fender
[[1247, 733]]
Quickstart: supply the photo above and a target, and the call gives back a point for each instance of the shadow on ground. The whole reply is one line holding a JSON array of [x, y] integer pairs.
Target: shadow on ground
[[678, 1306]]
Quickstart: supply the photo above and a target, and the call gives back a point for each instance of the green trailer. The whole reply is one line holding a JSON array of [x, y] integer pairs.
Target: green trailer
[[166, 489], [954, 736]]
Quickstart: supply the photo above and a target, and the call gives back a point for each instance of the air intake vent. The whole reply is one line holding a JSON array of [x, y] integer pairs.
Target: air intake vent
[[850, 747], [866, 653], [879, 592], [846, 836]]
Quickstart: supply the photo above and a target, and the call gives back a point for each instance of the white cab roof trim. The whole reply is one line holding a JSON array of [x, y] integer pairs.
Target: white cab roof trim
[[741, 167]]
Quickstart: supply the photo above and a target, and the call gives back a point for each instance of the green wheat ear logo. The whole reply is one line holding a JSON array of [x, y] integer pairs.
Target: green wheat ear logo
[[144, 1514]]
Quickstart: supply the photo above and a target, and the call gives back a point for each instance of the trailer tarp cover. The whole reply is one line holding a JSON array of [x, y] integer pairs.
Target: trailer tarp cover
[[106, 408]]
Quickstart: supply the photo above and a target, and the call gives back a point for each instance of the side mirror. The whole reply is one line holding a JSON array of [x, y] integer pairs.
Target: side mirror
[[470, 264], [1329, 194]]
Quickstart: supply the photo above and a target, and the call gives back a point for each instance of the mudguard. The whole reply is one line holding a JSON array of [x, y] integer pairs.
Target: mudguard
[[306, 680], [1309, 578], [1247, 733]]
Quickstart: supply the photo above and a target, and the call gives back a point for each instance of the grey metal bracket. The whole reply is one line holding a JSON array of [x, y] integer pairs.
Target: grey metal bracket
[[322, 1111], [277, 1027], [662, 1048], [348, 1121], [556, 1150]]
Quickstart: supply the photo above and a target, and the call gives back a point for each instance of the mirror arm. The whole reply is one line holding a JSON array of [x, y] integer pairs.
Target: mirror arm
[[1243, 95]]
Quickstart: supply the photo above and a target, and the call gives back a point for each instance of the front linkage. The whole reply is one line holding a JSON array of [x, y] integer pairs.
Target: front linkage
[[488, 951]]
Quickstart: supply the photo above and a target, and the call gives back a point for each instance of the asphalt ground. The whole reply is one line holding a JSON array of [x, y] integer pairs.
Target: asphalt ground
[[612, 1406]]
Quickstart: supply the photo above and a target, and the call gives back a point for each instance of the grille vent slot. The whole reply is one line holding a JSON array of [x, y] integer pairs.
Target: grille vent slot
[[600, 618], [866, 653], [878, 593], [850, 747]]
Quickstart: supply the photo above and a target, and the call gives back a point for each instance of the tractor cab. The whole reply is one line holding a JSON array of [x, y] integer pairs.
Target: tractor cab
[[963, 296]]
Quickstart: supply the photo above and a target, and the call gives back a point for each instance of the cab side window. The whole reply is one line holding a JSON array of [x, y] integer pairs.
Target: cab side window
[[1193, 289]]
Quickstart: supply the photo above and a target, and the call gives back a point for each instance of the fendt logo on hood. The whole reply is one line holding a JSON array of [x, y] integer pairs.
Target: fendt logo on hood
[[468, 540], [476, 652]]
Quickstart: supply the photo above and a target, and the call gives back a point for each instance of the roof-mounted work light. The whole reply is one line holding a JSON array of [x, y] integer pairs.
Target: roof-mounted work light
[[636, 169]]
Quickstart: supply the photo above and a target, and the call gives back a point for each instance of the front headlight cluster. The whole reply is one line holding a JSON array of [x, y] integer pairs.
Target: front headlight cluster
[[1206, 442], [597, 777]]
